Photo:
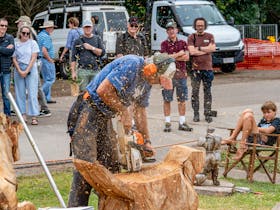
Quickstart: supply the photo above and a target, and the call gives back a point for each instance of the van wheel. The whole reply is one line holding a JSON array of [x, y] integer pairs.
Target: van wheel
[[63, 70], [227, 68]]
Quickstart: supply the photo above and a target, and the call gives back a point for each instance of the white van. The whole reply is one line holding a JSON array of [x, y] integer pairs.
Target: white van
[[230, 48], [112, 20]]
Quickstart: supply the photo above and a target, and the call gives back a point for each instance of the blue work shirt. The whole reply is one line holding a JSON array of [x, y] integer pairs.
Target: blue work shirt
[[125, 74], [44, 40]]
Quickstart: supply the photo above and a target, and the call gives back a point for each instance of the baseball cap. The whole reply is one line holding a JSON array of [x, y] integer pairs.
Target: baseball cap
[[25, 19], [133, 20], [87, 23], [171, 24]]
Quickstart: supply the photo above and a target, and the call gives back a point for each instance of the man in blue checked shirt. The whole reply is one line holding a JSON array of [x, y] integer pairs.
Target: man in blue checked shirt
[[47, 57]]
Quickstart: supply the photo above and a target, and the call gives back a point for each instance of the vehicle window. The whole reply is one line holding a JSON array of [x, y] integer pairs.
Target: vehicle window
[[37, 23], [188, 13], [101, 24], [77, 15], [58, 19], [116, 21], [164, 14]]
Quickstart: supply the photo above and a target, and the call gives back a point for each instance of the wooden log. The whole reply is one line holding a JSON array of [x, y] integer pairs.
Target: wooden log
[[166, 185]]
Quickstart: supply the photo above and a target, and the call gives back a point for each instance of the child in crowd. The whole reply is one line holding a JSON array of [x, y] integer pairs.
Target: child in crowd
[[268, 124]]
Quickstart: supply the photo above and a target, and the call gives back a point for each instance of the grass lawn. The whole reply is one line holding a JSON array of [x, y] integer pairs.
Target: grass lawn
[[38, 190]]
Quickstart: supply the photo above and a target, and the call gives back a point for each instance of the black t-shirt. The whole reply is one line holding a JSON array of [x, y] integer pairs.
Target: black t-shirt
[[275, 123]]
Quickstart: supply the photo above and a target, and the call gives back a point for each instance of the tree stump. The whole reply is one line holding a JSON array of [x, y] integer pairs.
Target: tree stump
[[166, 185]]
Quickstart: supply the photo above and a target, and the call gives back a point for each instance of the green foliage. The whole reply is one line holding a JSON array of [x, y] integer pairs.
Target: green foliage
[[136, 8], [250, 11]]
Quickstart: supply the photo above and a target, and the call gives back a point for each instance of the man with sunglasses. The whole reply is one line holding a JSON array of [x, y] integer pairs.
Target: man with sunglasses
[[132, 41], [7, 48]]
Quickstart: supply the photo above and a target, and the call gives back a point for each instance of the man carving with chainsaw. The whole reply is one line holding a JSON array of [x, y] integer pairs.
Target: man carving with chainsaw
[[109, 94]]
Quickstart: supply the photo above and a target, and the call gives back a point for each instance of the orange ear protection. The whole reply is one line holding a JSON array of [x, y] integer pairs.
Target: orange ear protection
[[150, 69]]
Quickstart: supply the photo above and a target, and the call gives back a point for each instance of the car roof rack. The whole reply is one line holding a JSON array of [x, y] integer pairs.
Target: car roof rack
[[69, 3]]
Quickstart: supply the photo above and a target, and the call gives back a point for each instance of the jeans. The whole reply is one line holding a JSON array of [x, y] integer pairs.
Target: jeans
[[5, 80], [48, 73], [93, 139], [206, 77], [29, 83]]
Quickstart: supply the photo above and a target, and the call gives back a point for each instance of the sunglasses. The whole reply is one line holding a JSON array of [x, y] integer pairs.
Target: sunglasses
[[134, 26], [6, 26], [25, 33]]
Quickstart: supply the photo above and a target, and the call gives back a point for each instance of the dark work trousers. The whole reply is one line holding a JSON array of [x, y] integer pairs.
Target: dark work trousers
[[206, 76], [93, 139]]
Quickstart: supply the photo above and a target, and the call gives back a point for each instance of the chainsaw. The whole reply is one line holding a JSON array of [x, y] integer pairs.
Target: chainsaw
[[131, 149]]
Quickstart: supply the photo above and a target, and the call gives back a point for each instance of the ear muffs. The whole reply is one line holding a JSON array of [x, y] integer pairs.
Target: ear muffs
[[150, 69]]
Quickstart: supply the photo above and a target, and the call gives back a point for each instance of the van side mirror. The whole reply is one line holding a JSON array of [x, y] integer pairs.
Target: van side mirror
[[231, 21]]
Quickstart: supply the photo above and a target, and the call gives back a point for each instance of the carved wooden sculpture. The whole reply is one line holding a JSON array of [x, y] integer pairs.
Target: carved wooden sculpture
[[166, 185], [9, 152]]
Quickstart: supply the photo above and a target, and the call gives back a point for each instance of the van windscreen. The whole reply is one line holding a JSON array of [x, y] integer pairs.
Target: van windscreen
[[188, 13]]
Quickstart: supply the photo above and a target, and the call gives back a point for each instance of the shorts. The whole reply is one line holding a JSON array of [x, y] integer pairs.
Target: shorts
[[259, 140], [181, 91]]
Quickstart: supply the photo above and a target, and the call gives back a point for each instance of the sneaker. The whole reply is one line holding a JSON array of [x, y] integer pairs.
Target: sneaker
[[45, 113], [196, 118], [184, 127], [167, 127], [13, 113], [208, 118]]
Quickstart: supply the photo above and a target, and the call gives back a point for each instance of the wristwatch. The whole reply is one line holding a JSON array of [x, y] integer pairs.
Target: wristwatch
[[199, 48]]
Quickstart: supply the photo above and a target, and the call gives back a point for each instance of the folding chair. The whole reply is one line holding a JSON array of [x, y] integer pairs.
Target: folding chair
[[256, 152]]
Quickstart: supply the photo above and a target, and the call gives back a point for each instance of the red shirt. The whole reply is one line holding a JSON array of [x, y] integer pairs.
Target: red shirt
[[201, 62], [170, 47]]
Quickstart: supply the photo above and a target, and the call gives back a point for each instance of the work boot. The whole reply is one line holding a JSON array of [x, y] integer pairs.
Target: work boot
[[167, 127], [213, 113], [196, 117], [184, 127], [208, 118]]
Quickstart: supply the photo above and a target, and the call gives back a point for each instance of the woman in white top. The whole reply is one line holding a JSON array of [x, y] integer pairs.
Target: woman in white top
[[26, 74]]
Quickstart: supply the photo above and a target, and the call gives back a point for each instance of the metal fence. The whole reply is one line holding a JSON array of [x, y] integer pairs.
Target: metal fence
[[259, 31]]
